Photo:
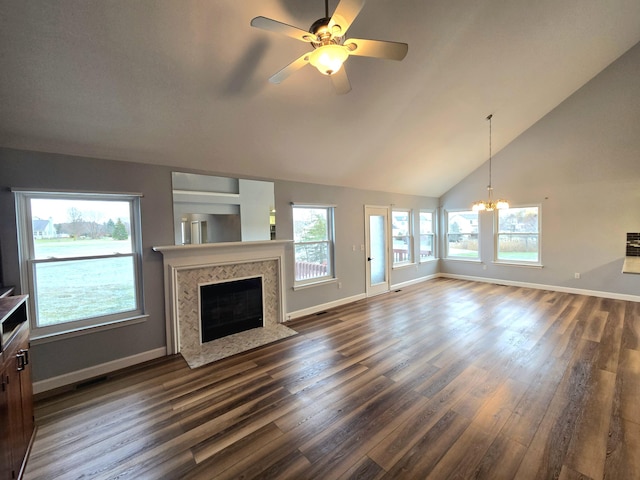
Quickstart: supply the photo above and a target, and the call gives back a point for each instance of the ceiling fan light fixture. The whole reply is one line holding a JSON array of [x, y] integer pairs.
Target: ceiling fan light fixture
[[328, 59]]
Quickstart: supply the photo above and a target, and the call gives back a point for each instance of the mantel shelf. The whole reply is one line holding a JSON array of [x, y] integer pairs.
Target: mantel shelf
[[220, 246]]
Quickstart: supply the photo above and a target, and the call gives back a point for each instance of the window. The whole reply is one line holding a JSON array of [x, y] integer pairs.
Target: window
[[462, 235], [313, 243], [80, 258], [518, 235], [401, 228], [427, 233]]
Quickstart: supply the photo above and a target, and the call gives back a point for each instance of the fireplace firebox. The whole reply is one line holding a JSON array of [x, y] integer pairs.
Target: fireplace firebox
[[230, 307]]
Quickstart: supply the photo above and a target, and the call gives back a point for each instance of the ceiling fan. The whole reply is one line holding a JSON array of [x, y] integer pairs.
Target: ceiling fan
[[331, 49]]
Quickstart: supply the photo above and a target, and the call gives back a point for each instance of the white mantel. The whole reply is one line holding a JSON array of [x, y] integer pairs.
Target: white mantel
[[220, 259]]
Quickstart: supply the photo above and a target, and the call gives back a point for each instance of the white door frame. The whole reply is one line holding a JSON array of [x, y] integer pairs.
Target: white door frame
[[381, 287]]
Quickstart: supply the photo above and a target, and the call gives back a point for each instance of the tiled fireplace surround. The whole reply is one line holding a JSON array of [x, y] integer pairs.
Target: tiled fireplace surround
[[188, 266]]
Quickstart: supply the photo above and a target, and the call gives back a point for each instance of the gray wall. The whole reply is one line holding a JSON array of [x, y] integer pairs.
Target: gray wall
[[51, 171], [581, 162], [42, 171], [349, 231]]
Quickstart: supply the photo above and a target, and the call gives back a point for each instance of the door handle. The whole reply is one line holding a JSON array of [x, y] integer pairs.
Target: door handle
[[369, 259], [24, 353], [20, 357]]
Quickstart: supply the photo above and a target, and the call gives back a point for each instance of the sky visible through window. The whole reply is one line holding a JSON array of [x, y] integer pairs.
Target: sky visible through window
[[58, 209]]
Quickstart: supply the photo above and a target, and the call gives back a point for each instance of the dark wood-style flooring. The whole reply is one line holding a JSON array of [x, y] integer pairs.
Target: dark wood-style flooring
[[443, 380]]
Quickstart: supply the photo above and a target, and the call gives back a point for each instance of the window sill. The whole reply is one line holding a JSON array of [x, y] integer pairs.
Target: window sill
[[77, 332], [516, 264], [461, 259], [429, 260], [302, 286], [403, 265]]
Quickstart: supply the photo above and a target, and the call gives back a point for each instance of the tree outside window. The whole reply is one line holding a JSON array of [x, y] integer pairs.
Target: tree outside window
[[313, 243], [462, 235], [80, 258], [518, 235]]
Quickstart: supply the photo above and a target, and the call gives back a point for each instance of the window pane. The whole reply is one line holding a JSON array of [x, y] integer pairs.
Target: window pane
[[463, 245], [513, 220], [513, 242], [75, 228], [377, 245], [462, 234], [426, 222], [522, 248], [310, 224], [78, 289], [426, 246], [401, 235], [312, 260], [426, 235]]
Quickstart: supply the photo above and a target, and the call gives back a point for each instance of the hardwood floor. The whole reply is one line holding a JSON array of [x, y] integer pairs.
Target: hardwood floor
[[445, 380]]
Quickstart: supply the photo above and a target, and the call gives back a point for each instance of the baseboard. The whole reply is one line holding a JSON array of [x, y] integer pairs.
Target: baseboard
[[539, 286], [325, 306], [414, 281], [97, 370]]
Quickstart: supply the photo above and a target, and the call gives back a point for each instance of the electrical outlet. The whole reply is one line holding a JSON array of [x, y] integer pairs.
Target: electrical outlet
[[339, 284], [576, 275]]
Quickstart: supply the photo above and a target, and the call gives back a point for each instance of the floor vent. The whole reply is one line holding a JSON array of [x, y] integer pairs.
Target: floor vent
[[321, 313]]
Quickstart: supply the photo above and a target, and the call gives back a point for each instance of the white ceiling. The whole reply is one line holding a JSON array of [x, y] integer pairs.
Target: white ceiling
[[184, 83]]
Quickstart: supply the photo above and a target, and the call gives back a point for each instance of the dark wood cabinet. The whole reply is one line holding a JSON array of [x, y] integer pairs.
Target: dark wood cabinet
[[16, 396]]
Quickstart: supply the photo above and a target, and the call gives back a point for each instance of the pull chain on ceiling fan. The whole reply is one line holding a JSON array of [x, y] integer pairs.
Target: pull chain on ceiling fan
[[331, 50]]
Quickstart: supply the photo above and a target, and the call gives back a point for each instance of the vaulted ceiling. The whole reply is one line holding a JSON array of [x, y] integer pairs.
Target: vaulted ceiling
[[184, 83]]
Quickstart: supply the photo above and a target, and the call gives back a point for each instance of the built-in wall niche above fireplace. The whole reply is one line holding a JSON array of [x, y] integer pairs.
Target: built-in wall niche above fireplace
[[210, 209]]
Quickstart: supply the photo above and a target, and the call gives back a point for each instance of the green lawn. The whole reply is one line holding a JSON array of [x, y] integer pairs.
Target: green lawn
[[79, 289]]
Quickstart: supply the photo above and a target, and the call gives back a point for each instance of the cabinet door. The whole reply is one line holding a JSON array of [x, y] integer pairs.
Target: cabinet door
[[26, 390], [5, 445], [14, 404]]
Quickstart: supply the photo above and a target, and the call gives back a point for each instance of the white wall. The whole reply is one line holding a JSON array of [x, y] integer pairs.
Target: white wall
[[581, 162]]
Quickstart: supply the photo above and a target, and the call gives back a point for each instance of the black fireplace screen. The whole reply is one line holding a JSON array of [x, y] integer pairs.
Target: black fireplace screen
[[230, 307]]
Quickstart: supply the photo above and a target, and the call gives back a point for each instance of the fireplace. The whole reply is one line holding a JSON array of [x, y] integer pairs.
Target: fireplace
[[229, 307], [188, 267]]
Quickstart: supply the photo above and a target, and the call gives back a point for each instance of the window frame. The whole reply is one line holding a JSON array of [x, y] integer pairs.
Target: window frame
[[497, 234], [409, 236], [330, 242], [434, 239], [28, 261], [447, 234]]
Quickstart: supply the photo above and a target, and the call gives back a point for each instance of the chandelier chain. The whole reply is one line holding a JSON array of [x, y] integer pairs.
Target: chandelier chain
[[489, 118]]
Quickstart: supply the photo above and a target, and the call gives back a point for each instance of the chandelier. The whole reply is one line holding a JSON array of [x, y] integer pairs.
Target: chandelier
[[490, 204]]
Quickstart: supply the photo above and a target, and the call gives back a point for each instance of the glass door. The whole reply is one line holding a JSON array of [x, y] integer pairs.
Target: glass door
[[377, 250]]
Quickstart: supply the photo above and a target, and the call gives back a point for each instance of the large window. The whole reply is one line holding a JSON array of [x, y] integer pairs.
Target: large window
[[518, 235], [80, 259], [313, 243], [462, 235], [427, 236], [401, 228]]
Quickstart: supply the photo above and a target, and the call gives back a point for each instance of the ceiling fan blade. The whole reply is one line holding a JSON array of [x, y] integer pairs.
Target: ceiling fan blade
[[341, 81], [376, 48], [343, 17], [274, 26], [289, 69]]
